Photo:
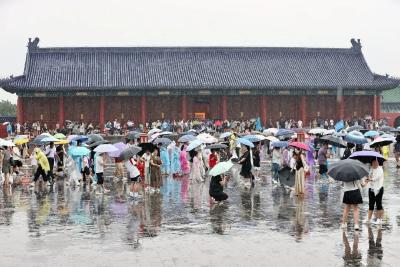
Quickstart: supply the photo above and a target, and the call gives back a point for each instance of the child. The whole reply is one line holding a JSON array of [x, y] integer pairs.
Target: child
[[133, 176]]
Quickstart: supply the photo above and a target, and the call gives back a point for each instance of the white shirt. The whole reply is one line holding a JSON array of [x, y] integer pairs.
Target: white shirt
[[132, 169], [377, 179], [350, 186], [99, 164], [50, 152], [276, 156]]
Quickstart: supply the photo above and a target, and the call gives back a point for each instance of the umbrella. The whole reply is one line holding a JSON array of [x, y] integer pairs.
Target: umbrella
[[388, 136], [4, 142], [280, 144], [300, 146], [133, 135], [49, 139], [245, 142], [166, 133], [333, 140], [270, 131], [121, 147], [95, 138], [101, 142], [147, 146], [272, 138], [105, 148], [186, 138], [367, 156], [38, 139], [80, 138], [61, 142], [162, 141], [225, 135], [354, 128], [342, 133], [356, 138], [6, 123], [59, 136], [397, 130], [284, 132], [70, 137], [46, 134], [153, 131], [189, 133], [348, 170], [316, 131], [217, 146], [252, 138], [371, 134], [78, 151], [381, 142], [221, 168], [329, 132], [194, 144], [21, 141], [130, 152], [286, 176], [386, 129]]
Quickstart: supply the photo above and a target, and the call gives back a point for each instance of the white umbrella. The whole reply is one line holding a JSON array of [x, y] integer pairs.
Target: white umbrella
[[221, 168], [4, 142], [166, 133], [154, 130], [317, 131], [272, 138], [261, 137], [105, 148], [270, 131], [194, 144]]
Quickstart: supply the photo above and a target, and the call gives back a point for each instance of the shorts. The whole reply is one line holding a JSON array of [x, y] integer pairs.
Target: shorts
[[100, 178], [323, 168], [375, 199], [135, 179]]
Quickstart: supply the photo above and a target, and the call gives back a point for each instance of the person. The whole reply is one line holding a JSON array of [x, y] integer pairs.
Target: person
[[213, 158], [133, 176], [60, 152], [351, 198], [50, 154], [397, 151], [300, 169], [323, 160], [256, 162], [276, 163], [245, 161], [195, 170], [175, 164], [99, 168], [85, 171], [347, 151], [183, 160], [216, 190], [119, 168], [155, 171], [43, 165], [375, 192], [165, 168], [146, 160], [6, 166]]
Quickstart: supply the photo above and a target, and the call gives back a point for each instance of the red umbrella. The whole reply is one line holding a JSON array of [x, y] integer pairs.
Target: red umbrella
[[300, 145]]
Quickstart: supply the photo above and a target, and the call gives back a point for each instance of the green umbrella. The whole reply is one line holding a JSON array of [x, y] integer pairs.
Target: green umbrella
[[221, 168], [59, 136]]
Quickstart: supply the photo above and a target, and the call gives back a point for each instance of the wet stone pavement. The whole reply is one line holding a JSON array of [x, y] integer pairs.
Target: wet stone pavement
[[265, 226]]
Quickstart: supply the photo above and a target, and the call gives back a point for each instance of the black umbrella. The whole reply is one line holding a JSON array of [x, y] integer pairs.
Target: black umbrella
[[217, 146], [333, 140], [147, 146], [286, 176], [348, 170], [95, 138], [133, 135], [100, 142], [130, 152]]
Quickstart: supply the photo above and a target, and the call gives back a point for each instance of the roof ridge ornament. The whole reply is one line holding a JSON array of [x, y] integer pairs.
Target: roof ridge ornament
[[356, 45], [32, 45]]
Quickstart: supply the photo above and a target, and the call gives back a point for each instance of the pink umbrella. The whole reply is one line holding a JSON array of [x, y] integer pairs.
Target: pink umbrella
[[121, 147], [300, 146]]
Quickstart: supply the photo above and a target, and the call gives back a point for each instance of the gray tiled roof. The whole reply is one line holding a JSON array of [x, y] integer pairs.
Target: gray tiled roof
[[195, 67]]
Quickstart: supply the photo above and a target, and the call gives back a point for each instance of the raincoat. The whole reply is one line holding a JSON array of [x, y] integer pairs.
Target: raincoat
[[42, 160]]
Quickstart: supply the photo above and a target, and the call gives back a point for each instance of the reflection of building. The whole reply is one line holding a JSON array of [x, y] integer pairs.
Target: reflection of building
[[390, 108], [99, 84]]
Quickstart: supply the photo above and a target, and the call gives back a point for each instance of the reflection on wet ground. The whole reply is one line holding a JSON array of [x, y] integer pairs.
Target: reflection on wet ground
[[179, 226]]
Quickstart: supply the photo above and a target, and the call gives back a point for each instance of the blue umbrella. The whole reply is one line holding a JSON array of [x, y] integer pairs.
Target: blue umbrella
[[49, 139], [280, 144], [371, 134], [245, 142], [225, 135], [284, 132], [78, 151], [355, 137], [354, 128], [80, 138], [194, 144], [252, 138]]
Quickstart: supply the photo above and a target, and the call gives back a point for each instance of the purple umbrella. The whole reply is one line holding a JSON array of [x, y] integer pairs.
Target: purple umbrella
[[121, 147], [367, 156]]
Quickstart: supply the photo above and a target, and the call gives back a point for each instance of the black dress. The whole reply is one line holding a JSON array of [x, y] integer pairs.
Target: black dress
[[216, 189], [246, 165]]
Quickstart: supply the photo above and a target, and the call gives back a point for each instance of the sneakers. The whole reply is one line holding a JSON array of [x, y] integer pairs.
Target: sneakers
[[106, 191], [343, 226], [378, 222], [356, 227]]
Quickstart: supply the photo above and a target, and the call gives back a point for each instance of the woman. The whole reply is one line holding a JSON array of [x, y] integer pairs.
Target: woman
[[245, 161], [375, 192], [213, 158], [195, 171], [256, 162], [183, 160], [155, 171], [99, 168], [165, 168], [217, 188], [300, 166], [276, 163], [146, 160], [43, 165], [351, 198], [133, 176]]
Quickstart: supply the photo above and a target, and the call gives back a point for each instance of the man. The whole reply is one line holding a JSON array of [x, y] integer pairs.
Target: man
[[323, 160]]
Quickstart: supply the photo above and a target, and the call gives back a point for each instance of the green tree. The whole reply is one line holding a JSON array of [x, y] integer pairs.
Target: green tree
[[7, 108]]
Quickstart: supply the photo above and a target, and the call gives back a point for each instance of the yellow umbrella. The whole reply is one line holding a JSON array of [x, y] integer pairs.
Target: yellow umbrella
[[61, 142], [21, 141]]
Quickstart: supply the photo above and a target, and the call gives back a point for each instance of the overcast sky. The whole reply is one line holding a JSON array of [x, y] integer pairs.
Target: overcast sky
[[311, 23]]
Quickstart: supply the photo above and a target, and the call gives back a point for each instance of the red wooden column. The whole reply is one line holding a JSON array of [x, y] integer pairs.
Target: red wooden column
[[303, 109], [224, 108], [377, 107], [102, 113], [184, 108], [61, 115], [340, 108], [143, 109], [263, 111], [20, 110]]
